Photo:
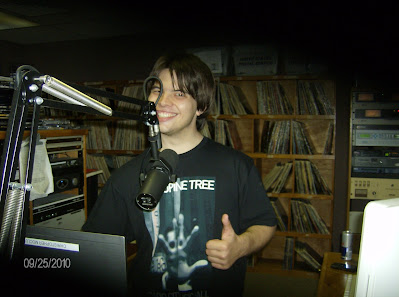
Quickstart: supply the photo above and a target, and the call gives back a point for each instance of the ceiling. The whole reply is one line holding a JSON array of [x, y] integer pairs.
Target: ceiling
[[53, 21], [364, 32]]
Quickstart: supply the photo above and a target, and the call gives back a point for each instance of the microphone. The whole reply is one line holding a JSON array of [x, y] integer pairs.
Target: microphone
[[158, 177]]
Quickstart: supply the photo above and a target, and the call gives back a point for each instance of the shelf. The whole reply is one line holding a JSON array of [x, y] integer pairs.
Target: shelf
[[275, 267], [53, 132], [114, 152], [300, 196], [252, 155], [267, 77], [271, 117], [289, 156], [298, 234]]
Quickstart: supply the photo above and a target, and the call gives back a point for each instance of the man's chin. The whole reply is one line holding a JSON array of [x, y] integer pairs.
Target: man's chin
[[166, 132]]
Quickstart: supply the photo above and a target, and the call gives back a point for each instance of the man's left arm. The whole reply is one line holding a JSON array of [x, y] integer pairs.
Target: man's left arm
[[224, 252]]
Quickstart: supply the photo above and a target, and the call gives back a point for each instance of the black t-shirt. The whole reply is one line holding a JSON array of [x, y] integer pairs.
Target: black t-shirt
[[212, 180]]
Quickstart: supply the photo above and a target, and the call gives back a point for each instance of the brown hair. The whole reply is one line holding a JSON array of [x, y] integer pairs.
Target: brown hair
[[193, 77]]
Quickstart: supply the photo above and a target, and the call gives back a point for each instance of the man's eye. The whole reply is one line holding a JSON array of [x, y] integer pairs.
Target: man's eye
[[180, 94]]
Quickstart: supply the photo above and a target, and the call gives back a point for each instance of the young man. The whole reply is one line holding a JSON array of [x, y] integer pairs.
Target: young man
[[196, 240]]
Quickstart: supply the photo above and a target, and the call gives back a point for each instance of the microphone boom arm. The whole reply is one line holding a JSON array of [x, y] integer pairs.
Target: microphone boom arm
[[29, 84]]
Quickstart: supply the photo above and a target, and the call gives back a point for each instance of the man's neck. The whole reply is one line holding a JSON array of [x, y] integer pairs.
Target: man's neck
[[180, 145]]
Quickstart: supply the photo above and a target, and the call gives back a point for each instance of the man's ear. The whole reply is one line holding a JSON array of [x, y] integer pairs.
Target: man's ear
[[199, 112]]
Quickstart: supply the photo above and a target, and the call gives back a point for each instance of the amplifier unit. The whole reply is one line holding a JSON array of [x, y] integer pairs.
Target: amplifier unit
[[375, 172], [370, 97], [63, 144], [64, 163], [67, 181], [67, 174], [375, 108], [374, 116], [374, 135], [71, 221], [60, 211], [377, 152], [375, 162], [374, 188]]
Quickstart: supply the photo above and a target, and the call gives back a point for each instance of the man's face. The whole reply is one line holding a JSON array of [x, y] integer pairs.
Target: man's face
[[176, 110]]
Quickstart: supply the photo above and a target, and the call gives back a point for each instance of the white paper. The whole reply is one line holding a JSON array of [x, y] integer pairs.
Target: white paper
[[42, 176], [213, 58]]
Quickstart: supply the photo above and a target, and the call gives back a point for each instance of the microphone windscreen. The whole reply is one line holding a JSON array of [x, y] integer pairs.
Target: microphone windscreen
[[170, 158]]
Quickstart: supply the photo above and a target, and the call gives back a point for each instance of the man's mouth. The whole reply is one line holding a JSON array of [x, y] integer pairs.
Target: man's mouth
[[163, 115]]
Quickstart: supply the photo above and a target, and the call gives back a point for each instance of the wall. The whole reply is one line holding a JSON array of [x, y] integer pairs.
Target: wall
[[108, 59], [10, 54], [132, 57]]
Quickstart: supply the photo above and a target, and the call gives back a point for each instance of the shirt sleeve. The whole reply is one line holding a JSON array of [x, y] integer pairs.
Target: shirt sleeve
[[255, 206], [109, 214]]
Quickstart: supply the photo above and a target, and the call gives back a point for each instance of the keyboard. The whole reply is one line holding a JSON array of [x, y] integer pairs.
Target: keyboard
[[350, 286]]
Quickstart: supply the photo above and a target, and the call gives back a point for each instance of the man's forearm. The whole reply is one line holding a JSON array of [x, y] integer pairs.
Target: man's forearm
[[255, 238]]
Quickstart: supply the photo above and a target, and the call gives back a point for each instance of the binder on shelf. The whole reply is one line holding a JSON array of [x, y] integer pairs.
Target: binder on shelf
[[328, 146], [232, 100], [288, 261], [312, 99], [129, 135], [272, 98], [305, 218], [309, 255], [301, 144], [276, 179], [98, 136], [308, 179], [282, 218], [276, 137], [224, 132]]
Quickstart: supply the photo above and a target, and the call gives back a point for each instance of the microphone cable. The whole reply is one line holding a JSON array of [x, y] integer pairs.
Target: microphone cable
[[145, 88]]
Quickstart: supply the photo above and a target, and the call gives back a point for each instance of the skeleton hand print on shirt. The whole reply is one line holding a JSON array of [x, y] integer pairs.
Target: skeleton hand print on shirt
[[175, 244]]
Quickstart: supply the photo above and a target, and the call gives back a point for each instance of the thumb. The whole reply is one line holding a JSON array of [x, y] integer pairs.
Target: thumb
[[227, 231]]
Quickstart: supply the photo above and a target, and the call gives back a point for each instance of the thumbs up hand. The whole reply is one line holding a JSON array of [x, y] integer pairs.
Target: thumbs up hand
[[222, 253]]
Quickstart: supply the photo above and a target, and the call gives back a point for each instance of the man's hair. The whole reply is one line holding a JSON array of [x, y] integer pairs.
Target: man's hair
[[193, 77]]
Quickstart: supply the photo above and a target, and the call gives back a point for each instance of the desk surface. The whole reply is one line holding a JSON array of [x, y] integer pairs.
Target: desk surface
[[332, 281]]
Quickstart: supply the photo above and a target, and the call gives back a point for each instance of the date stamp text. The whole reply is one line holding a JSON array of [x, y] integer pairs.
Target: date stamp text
[[47, 263]]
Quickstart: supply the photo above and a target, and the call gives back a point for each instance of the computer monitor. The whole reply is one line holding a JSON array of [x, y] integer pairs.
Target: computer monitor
[[80, 263], [378, 266]]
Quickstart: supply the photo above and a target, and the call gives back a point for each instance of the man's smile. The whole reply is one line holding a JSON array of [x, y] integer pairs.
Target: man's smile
[[164, 114]]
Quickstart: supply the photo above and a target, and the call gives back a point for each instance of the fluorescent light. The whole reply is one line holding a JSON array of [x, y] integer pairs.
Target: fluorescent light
[[11, 22]]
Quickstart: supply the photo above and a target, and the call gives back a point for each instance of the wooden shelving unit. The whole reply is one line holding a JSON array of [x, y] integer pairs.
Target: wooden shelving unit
[[71, 152], [250, 127], [250, 130]]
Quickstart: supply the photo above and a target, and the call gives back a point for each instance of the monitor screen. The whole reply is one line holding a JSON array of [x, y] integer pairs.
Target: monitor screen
[[81, 262], [378, 267]]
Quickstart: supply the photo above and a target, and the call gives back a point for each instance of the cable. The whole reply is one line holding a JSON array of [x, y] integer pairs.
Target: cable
[[145, 88], [19, 72]]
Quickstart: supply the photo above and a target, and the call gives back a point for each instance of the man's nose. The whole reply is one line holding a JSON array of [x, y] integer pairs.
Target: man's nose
[[165, 99]]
